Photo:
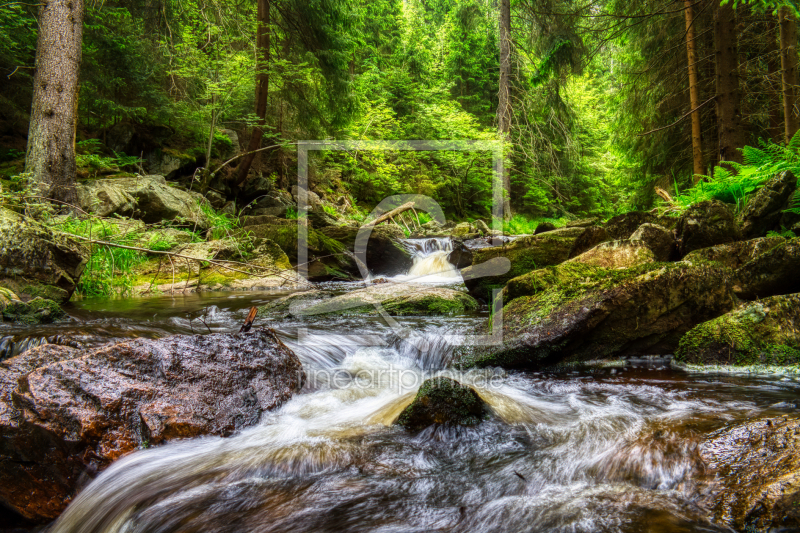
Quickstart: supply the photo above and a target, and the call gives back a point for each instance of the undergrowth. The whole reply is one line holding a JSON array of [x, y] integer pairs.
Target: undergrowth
[[522, 225]]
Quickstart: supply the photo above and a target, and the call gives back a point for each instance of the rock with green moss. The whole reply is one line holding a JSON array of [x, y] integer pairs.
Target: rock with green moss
[[617, 254], [590, 238], [624, 225], [525, 255], [575, 312], [764, 210], [35, 261], [294, 304], [766, 332], [381, 249], [659, 239], [442, 400], [776, 271], [735, 254], [327, 258], [754, 472], [36, 311], [705, 224], [395, 299]]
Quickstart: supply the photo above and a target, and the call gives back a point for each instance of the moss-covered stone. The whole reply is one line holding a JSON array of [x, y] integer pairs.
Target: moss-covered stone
[[443, 401], [576, 312], [764, 332], [659, 239], [706, 224], [525, 255], [383, 253], [36, 311], [763, 211], [776, 271], [590, 238], [624, 225], [396, 299], [293, 303], [735, 254], [617, 254]]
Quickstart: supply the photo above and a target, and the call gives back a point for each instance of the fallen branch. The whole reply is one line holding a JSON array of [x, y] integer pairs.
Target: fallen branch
[[664, 195], [390, 214], [680, 119]]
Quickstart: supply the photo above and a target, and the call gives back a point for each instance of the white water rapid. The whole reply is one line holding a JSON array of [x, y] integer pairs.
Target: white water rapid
[[430, 262]]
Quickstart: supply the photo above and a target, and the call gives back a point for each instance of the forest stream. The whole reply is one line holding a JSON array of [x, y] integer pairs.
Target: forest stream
[[613, 449]]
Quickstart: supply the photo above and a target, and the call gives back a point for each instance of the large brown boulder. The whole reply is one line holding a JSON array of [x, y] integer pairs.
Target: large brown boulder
[[524, 254], [623, 226], [776, 271], [35, 261], [764, 210], [706, 224], [617, 254], [65, 415], [659, 239], [735, 254], [754, 472], [381, 250], [766, 332], [576, 312], [590, 238]]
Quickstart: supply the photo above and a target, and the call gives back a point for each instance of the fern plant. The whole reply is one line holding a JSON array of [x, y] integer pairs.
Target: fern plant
[[734, 182]]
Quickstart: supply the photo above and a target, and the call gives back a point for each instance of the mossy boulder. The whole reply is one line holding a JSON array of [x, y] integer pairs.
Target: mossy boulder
[[576, 312], [706, 224], [396, 299], [36, 311], [753, 472], [582, 223], [624, 225], [766, 332], [327, 257], [442, 400], [764, 210], [544, 227], [590, 238], [37, 262], [735, 254], [381, 249], [293, 304], [776, 271], [617, 254], [659, 239], [525, 255]]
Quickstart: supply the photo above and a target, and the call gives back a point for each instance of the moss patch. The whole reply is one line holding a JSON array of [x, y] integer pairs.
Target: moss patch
[[37, 311], [443, 401]]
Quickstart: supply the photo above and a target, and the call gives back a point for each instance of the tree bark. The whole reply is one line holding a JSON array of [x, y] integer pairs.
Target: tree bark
[[504, 105], [728, 102], [694, 92], [788, 30], [262, 88], [776, 130], [50, 158]]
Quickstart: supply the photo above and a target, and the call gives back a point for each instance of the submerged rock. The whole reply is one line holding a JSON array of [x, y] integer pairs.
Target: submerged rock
[[764, 210], [37, 262], [65, 415], [763, 332], [524, 254], [443, 401], [706, 224], [576, 312], [776, 271], [755, 468]]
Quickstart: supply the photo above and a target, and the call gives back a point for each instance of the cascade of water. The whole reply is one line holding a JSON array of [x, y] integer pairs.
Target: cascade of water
[[430, 261]]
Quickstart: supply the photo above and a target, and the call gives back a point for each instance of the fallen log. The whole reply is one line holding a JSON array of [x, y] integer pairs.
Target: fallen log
[[390, 214]]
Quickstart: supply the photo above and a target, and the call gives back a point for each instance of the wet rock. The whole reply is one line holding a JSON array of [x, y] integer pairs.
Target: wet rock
[[382, 250], [772, 272], [766, 332], [735, 254], [395, 299], [524, 254], [153, 200], [591, 237], [67, 420], [706, 224], [660, 240], [36, 262], [35, 311], [294, 303], [617, 254], [443, 401], [544, 227], [755, 467], [623, 226], [576, 312], [764, 210]]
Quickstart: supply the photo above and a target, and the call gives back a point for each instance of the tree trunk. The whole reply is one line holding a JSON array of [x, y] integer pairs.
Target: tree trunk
[[776, 130], [789, 71], [262, 88], [728, 101], [54, 114], [694, 93], [504, 105]]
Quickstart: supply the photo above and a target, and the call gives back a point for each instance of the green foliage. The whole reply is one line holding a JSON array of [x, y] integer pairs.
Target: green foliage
[[88, 158], [522, 225], [736, 182], [222, 225]]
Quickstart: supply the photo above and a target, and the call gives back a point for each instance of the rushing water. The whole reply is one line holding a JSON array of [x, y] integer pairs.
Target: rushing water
[[611, 450]]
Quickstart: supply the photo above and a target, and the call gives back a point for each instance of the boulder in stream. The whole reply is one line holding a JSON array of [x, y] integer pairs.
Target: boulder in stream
[[65, 415], [754, 468], [382, 249], [442, 400], [766, 332], [37, 262], [575, 312]]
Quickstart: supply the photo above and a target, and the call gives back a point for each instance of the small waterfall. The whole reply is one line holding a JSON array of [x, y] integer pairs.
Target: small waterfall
[[430, 261]]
